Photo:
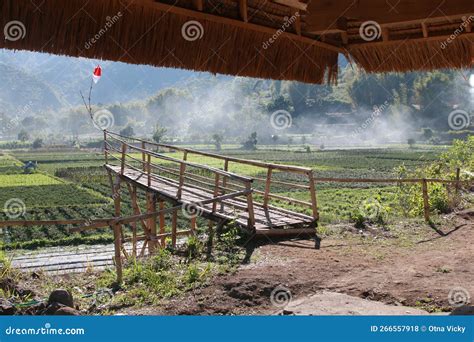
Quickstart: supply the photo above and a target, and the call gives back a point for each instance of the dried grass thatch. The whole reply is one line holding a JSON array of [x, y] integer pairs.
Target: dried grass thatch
[[145, 34], [411, 55]]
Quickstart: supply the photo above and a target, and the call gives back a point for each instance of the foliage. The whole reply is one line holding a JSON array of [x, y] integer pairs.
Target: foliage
[[427, 133], [460, 155], [217, 140], [193, 247], [374, 210], [159, 133], [251, 142], [23, 136], [128, 131], [37, 143], [227, 247], [147, 281], [84, 190]]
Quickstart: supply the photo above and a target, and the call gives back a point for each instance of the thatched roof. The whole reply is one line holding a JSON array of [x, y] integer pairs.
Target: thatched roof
[[278, 39]]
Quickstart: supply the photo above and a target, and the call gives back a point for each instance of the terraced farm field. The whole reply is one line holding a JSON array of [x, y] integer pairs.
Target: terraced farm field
[[74, 185]]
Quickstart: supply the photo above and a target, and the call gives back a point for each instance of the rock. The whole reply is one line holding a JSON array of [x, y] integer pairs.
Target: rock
[[51, 309], [67, 311], [62, 297], [6, 308], [465, 310]]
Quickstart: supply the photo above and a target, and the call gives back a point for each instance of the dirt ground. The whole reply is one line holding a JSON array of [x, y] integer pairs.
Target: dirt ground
[[419, 271], [410, 266]]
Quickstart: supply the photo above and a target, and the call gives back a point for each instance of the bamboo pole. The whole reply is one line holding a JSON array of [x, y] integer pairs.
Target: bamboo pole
[[105, 148], [143, 156], [426, 204], [164, 235], [149, 170], [267, 187], [174, 227], [312, 190], [136, 208], [182, 170], [216, 192], [124, 150], [117, 231], [151, 207], [133, 224], [193, 225], [251, 219], [224, 181], [162, 223]]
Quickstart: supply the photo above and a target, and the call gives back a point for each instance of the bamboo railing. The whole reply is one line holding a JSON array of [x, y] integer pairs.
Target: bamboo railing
[[225, 181], [193, 184]]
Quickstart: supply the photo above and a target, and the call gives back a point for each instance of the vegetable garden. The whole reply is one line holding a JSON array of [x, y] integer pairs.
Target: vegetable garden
[[74, 185]]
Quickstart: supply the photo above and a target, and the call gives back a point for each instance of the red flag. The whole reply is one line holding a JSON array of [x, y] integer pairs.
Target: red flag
[[97, 74]]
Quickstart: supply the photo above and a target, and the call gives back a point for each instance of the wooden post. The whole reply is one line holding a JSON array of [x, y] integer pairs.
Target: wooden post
[[106, 148], [182, 170], [224, 182], [193, 225], [312, 190], [124, 151], [267, 187], [143, 157], [162, 224], [251, 220], [151, 207], [133, 224], [174, 224], [216, 192], [458, 173], [149, 170], [136, 209], [117, 231], [426, 204]]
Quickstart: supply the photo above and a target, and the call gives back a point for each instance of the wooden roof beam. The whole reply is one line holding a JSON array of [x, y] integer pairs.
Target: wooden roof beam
[[198, 4], [425, 29], [243, 10], [385, 34], [324, 16], [428, 39], [293, 4], [236, 23], [297, 23]]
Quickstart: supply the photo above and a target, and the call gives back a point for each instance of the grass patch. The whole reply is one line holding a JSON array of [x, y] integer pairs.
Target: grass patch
[[25, 180], [51, 195]]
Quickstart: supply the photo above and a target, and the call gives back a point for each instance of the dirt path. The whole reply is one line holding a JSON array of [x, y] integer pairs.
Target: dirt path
[[417, 273]]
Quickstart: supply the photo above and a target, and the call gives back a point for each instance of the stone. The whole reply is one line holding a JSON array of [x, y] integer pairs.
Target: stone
[[62, 297], [66, 311], [465, 310], [6, 308]]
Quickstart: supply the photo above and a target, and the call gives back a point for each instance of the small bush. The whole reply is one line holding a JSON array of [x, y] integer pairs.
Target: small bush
[[193, 247]]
